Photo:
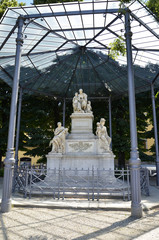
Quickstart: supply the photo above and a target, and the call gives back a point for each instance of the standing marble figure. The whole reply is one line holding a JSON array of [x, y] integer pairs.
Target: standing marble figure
[[101, 132]]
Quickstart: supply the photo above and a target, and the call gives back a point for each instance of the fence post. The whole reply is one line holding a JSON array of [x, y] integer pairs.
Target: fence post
[[128, 182], [92, 183], [30, 176], [26, 183]]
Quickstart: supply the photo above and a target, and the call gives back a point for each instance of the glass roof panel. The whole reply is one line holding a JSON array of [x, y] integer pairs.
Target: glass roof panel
[[18, 11], [74, 54], [57, 8], [43, 9]]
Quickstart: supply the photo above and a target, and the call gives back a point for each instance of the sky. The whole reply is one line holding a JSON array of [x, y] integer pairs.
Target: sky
[[28, 2]]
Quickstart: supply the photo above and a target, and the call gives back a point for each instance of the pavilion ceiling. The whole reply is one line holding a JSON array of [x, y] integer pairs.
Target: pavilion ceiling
[[66, 47]]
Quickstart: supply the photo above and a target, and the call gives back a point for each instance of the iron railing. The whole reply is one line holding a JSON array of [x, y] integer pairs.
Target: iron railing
[[62, 183]]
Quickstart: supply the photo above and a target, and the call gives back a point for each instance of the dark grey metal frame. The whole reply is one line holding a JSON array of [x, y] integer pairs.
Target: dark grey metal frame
[[9, 160], [134, 160]]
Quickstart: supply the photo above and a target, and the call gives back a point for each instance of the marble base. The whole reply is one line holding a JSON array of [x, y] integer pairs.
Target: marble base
[[82, 123], [82, 161]]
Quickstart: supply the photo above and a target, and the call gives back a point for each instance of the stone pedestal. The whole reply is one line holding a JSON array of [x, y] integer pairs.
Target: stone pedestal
[[81, 126], [86, 162], [81, 161], [82, 150]]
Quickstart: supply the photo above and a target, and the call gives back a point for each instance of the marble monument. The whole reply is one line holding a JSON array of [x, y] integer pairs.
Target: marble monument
[[81, 149]]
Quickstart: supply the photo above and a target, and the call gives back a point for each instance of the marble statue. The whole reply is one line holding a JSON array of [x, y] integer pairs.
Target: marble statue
[[81, 148], [89, 108], [101, 132], [58, 141], [82, 99], [76, 103], [80, 103]]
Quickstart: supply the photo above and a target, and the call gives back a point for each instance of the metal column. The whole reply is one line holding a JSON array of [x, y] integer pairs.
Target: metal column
[[135, 163], [155, 131], [64, 111], [9, 160], [18, 127], [110, 120], [17, 137]]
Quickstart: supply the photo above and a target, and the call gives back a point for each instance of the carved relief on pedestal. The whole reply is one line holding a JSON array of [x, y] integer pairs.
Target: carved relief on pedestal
[[80, 146]]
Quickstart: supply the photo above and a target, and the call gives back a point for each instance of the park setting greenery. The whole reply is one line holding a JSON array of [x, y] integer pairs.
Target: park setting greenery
[[40, 114]]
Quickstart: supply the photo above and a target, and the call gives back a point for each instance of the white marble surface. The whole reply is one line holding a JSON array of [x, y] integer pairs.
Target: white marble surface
[[82, 148], [81, 161], [82, 123]]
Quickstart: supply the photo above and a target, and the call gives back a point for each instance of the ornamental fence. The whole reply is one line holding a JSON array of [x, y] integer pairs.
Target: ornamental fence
[[63, 183]]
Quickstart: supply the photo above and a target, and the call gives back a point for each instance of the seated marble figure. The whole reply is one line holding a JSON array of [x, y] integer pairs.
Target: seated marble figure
[[80, 103], [58, 141]]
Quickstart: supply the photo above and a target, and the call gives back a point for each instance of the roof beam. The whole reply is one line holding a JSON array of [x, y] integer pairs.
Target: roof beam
[[8, 74], [73, 74], [146, 50], [51, 31], [61, 46], [38, 43], [50, 69], [102, 44], [117, 35], [145, 25], [155, 78], [102, 30], [38, 53], [8, 36], [71, 13], [107, 91]]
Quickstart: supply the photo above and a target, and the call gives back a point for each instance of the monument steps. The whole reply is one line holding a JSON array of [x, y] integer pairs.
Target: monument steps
[[75, 192]]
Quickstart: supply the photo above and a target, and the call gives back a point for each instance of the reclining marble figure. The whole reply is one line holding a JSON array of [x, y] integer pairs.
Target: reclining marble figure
[[58, 141]]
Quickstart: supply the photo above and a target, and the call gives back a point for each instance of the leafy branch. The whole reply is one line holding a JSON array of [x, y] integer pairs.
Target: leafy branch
[[117, 48]]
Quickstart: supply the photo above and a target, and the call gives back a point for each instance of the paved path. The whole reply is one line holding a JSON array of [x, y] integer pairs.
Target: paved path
[[46, 219], [50, 224]]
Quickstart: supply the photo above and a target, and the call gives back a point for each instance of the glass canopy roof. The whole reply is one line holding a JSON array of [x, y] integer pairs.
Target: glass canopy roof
[[66, 47]]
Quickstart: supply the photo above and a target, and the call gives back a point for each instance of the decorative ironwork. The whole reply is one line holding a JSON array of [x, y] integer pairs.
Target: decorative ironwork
[[144, 181], [63, 183]]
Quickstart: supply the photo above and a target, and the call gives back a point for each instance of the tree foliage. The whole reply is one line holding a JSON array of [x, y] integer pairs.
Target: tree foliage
[[117, 48], [4, 4], [153, 5], [40, 115]]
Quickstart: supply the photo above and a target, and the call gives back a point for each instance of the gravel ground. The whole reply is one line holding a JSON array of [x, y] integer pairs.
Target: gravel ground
[[50, 224]]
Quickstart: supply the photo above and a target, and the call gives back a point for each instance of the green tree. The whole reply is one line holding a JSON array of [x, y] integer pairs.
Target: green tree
[[153, 5], [4, 4], [39, 118]]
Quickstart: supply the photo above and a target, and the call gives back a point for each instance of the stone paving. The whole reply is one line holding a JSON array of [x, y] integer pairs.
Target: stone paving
[[37, 219], [50, 224]]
